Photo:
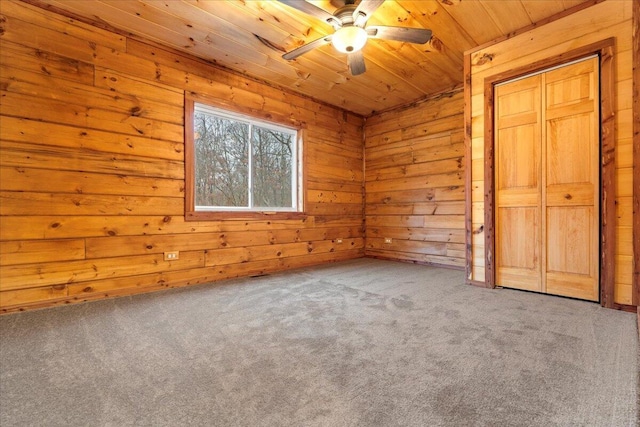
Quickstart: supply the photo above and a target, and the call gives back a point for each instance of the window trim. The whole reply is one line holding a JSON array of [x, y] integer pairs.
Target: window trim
[[219, 213]]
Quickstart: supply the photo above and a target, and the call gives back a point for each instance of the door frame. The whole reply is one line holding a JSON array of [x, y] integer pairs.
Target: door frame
[[604, 49]]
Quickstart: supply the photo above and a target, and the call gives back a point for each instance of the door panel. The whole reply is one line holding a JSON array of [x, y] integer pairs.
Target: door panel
[[569, 250], [514, 156], [519, 252], [518, 229], [571, 84], [569, 150]]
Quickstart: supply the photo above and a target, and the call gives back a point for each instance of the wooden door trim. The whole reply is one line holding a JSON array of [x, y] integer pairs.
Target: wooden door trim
[[636, 157], [467, 175], [605, 50]]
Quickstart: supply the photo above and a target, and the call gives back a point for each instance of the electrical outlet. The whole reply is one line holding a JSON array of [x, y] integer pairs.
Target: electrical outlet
[[339, 240], [171, 256], [388, 240]]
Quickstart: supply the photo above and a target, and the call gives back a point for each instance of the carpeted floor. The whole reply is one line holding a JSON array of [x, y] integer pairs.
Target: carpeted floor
[[359, 343]]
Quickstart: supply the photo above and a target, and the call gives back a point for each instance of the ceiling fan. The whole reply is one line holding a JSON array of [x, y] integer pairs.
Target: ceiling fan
[[350, 33]]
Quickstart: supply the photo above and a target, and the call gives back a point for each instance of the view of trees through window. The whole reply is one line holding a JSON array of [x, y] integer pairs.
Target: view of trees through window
[[242, 164]]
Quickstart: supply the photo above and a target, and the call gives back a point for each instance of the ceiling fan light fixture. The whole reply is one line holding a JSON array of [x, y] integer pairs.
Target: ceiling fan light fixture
[[349, 39]]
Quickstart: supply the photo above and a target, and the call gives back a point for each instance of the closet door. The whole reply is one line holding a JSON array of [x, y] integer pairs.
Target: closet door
[[571, 191], [518, 184], [547, 182]]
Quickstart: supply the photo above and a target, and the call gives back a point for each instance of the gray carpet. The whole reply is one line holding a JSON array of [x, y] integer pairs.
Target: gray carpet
[[359, 343]]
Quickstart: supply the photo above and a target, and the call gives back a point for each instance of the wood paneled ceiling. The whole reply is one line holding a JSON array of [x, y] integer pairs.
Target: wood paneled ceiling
[[229, 33]]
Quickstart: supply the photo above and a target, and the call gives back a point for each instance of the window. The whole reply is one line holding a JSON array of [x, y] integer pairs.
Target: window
[[236, 163]]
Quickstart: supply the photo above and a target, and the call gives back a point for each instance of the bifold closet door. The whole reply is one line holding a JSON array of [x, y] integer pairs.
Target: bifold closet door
[[547, 182], [518, 184], [571, 194]]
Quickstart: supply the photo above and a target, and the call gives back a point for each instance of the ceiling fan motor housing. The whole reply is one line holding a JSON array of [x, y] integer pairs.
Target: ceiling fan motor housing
[[345, 14]]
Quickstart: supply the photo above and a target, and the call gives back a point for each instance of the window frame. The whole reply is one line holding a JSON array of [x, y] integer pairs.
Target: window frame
[[192, 212]]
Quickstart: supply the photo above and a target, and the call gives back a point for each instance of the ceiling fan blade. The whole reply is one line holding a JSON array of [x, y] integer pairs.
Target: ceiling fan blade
[[355, 61], [313, 10], [364, 11], [401, 34], [307, 47]]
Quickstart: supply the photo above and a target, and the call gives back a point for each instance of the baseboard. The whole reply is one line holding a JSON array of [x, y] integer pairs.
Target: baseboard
[[624, 307], [477, 283], [411, 261]]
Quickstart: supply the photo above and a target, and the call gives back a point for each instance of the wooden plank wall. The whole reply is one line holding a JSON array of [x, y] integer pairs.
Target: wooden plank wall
[[92, 169], [591, 25], [414, 182]]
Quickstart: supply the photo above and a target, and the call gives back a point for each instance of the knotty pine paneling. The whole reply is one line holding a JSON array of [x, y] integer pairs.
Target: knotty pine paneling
[[92, 169], [599, 22], [414, 183]]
